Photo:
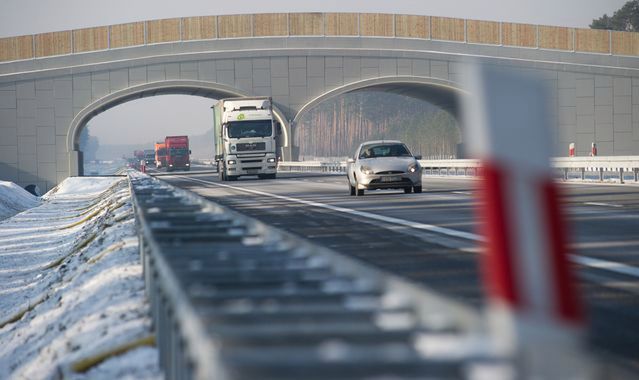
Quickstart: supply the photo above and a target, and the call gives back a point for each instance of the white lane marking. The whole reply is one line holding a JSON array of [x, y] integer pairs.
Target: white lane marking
[[462, 192], [582, 260], [607, 265], [364, 214], [602, 204]]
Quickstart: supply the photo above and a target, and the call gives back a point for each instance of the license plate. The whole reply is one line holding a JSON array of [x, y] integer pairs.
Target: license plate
[[251, 171], [391, 179]]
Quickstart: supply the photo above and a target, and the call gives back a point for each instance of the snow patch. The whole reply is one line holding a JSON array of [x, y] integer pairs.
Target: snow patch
[[81, 186], [71, 287], [14, 199]]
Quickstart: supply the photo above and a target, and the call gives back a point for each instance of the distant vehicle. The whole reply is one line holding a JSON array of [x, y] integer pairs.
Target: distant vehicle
[[177, 153], [246, 138], [383, 165], [149, 157], [160, 154], [139, 154]]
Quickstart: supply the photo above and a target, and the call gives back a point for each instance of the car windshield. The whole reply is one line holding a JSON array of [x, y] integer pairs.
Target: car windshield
[[178, 151], [384, 150], [250, 128]]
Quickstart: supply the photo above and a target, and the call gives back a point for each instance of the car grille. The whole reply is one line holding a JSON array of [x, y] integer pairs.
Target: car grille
[[243, 147], [391, 172], [379, 181]]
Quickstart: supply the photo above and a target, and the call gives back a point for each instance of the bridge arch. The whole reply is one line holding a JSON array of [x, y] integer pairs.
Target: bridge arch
[[443, 93], [168, 87]]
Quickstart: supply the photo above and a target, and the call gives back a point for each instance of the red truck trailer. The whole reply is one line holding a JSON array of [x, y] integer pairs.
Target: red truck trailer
[[177, 153]]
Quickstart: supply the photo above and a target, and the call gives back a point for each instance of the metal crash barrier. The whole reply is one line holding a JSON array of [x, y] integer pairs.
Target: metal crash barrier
[[619, 168], [232, 298]]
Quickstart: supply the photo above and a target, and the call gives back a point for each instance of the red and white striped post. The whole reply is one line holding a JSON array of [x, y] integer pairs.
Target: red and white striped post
[[534, 310]]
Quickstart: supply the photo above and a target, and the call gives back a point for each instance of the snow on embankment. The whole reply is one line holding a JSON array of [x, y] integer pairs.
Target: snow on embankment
[[14, 199], [72, 298]]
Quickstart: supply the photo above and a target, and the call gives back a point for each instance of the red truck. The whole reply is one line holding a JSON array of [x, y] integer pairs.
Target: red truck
[[160, 154], [177, 153]]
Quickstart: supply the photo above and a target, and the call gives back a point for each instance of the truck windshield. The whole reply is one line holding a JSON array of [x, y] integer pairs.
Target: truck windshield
[[249, 128], [178, 151], [162, 152]]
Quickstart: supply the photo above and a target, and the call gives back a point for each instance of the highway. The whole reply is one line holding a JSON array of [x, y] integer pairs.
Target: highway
[[431, 237]]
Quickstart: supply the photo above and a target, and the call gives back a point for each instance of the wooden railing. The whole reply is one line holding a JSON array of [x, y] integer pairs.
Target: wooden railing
[[319, 24]]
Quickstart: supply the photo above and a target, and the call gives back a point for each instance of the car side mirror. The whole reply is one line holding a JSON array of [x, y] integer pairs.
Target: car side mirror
[[418, 157], [189, 151], [350, 161]]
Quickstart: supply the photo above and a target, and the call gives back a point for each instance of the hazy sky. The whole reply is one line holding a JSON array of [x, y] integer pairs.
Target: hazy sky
[[152, 118]]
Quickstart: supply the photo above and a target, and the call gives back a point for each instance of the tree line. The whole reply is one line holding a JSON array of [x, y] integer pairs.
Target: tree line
[[336, 127], [625, 19]]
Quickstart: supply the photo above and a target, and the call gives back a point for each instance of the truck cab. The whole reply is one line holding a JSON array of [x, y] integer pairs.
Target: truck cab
[[177, 153], [245, 138]]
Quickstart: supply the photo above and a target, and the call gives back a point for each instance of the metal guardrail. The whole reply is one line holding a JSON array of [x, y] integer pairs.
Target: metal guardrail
[[621, 165], [233, 298]]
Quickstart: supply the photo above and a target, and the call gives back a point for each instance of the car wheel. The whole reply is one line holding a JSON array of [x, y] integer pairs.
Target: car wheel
[[417, 189], [358, 192], [351, 187], [407, 190]]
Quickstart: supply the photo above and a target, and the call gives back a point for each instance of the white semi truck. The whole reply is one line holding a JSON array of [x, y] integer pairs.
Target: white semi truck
[[246, 138]]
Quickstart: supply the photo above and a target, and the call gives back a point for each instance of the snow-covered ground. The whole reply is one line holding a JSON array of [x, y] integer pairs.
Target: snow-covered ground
[[14, 199], [72, 301]]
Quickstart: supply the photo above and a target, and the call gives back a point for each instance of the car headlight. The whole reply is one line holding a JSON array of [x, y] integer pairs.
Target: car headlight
[[412, 168], [270, 160], [232, 162], [188, 164], [366, 170]]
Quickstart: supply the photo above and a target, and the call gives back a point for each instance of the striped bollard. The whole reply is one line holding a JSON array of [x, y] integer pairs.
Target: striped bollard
[[534, 311]]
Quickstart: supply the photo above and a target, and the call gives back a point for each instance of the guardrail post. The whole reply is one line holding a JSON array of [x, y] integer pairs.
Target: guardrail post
[[620, 175], [636, 174], [566, 174], [601, 176], [583, 174]]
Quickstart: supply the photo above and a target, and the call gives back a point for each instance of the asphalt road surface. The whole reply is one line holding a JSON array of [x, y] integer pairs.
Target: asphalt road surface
[[429, 237]]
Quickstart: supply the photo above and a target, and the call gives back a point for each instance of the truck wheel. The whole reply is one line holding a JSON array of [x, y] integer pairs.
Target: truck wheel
[[352, 188], [232, 177], [407, 190], [221, 174]]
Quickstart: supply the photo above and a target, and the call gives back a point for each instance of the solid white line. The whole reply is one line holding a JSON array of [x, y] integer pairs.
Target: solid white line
[[602, 204], [364, 214], [582, 260], [607, 265]]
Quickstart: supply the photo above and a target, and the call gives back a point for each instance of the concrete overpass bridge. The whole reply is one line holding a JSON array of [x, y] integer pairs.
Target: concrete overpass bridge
[[52, 84]]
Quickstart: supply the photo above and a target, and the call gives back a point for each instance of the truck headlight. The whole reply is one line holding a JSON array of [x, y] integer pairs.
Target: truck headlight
[[232, 162], [188, 164], [366, 170], [270, 160], [232, 147]]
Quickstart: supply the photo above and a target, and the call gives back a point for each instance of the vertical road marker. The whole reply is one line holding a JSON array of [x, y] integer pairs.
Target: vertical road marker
[[535, 314]]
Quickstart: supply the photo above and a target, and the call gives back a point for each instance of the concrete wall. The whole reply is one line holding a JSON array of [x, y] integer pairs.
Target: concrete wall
[[595, 96]]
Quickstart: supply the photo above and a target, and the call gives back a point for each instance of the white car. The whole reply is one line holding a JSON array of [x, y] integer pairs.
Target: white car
[[383, 165]]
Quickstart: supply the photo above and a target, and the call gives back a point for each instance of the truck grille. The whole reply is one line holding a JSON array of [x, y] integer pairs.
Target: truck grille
[[243, 147]]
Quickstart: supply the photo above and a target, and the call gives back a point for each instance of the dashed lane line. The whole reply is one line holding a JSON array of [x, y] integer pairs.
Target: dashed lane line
[[591, 262]]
